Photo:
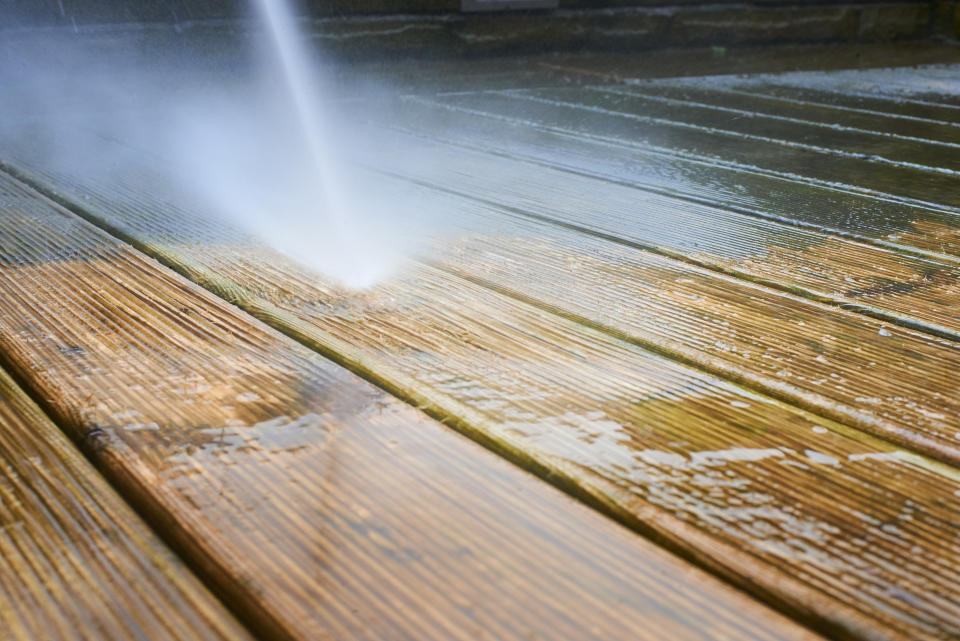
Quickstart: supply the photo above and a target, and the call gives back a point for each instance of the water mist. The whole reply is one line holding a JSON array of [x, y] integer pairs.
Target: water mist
[[271, 157], [314, 226], [305, 99], [252, 131]]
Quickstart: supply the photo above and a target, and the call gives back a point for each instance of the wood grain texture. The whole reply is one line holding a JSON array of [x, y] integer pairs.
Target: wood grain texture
[[709, 163], [907, 289], [318, 505], [622, 120], [876, 147], [837, 209], [721, 93], [75, 561], [600, 114], [893, 382], [931, 85], [910, 290], [910, 111], [807, 513]]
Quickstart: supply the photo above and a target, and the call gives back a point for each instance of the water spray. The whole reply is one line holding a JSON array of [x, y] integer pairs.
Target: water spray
[[304, 96]]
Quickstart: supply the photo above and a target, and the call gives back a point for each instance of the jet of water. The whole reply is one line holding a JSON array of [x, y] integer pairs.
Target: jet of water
[[304, 95], [332, 220], [254, 136]]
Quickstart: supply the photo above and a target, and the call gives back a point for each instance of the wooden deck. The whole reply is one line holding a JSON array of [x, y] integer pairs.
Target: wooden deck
[[717, 315]]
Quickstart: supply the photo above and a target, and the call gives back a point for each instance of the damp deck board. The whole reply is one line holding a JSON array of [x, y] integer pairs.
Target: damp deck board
[[795, 182], [832, 361], [78, 563], [677, 453], [694, 327], [915, 290], [316, 504]]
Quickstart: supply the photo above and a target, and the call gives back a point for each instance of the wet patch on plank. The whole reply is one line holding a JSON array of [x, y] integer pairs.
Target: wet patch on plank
[[660, 444], [318, 505]]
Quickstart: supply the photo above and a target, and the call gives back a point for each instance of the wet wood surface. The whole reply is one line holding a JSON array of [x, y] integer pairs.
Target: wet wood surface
[[915, 291], [677, 453], [77, 562], [844, 209], [689, 308], [832, 362], [318, 505], [670, 149], [835, 363]]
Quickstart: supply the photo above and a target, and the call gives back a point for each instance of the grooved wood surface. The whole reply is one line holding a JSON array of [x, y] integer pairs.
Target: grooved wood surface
[[809, 261], [613, 117], [840, 364], [318, 505], [849, 209], [690, 307], [77, 563], [897, 383], [734, 479]]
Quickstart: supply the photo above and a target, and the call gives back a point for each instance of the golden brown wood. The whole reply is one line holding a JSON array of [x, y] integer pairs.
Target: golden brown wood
[[851, 532], [851, 211], [75, 561], [848, 531], [891, 381], [914, 291], [320, 506]]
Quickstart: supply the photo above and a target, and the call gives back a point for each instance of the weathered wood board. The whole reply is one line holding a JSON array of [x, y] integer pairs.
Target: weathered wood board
[[605, 116], [318, 505], [75, 561], [820, 121], [548, 336], [894, 205], [911, 112], [677, 453], [613, 286], [915, 291], [914, 153], [835, 363]]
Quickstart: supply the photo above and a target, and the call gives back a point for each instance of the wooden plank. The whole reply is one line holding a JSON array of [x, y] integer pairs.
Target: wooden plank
[[930, 85], [909, 290], [903, 289], [75, 561], [716, 93], [876, 218], [857, 102], [745, 63], [833, 362], [653, 104], [733, 479], [567, 113], [445, 74], [318, 505]]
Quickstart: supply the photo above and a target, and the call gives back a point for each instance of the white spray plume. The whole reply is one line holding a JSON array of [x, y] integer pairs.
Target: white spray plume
[[253, 134]]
